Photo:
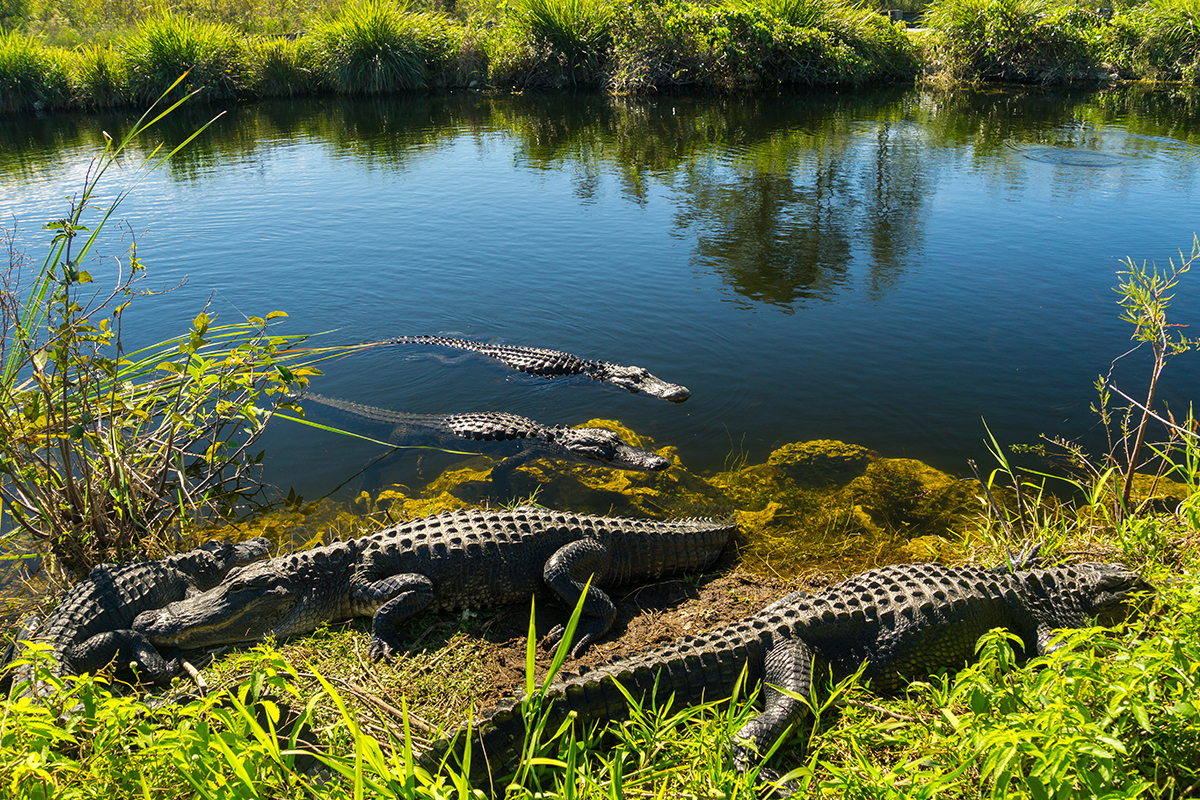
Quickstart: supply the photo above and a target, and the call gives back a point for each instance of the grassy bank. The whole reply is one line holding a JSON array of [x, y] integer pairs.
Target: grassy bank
[[373, 47], [62, 53], [1112, 713]]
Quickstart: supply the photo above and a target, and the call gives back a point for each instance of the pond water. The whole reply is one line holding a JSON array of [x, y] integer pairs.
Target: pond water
[[889, 269]]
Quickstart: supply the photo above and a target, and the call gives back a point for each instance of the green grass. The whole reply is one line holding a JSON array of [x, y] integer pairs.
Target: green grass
[[1110, 713], [31, 76], [167, 46], [378, 47]]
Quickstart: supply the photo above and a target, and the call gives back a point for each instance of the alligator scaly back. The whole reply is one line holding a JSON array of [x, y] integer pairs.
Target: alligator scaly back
[[555, 363], [447, 562], [905, 622]]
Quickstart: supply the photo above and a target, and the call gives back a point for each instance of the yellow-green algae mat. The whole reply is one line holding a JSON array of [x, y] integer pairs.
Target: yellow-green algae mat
[[819, 504]]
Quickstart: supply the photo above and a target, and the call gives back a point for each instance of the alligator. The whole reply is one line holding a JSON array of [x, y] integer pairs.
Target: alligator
[[555, 363], [518, 438], [898, 623], [463, 559], [91, 627]]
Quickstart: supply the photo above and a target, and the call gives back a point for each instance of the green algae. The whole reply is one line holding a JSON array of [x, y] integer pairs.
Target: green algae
[[812, 505]]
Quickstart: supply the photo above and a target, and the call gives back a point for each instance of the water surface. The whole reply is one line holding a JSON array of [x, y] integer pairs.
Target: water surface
[[887, 269]]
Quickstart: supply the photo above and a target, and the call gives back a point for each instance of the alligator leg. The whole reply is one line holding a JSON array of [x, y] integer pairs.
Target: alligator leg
[[787, 665], [567, 573], [396, 599], [124, 649]]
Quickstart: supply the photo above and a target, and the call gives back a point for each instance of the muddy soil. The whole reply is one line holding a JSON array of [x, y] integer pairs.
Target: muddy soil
[[647, 617]]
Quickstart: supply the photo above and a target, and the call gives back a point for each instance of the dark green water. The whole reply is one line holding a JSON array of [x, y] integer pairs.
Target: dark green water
[[886, 269]]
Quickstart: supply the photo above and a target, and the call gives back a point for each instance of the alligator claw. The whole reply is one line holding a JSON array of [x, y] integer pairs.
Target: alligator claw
[[555, 636], [379, 650]]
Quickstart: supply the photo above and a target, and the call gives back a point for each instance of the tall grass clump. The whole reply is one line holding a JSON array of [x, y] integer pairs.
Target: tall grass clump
[[1029, 41], [169, 45], [551, 43], [377, 47], [98, 77], [1160, 40], [31, 76], [577, 30], [280, 67]]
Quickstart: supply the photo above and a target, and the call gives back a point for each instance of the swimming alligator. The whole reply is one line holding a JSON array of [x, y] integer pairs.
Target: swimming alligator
[[463, 559], [906, 622], [91, 627], [518, 438], [555, 363]]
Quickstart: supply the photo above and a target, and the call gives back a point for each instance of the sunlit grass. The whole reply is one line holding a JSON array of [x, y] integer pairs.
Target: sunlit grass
[[169, 45], [377, 47], [31, 75]]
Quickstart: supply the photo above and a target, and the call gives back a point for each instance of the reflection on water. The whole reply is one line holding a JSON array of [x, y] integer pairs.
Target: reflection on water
[[879, 268]]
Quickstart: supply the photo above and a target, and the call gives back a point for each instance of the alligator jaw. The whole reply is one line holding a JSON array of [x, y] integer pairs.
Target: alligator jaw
[[602, 446], [638, 379], [236, 611]]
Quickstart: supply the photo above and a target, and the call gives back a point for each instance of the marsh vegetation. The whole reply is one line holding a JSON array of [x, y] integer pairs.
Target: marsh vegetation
[[59, 53]]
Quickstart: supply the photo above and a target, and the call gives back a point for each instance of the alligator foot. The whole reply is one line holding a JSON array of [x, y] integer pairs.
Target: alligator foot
[[586, 632]]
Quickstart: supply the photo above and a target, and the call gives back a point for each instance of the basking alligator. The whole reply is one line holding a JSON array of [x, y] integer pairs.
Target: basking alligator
[[518, 437], [906, 622], [91, 627], [555, 363], [464, 559]]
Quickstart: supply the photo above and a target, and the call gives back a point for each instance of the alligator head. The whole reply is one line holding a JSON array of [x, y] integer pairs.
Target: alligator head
[[1108, 591], [270, 598], [606, 447], [638, 379]]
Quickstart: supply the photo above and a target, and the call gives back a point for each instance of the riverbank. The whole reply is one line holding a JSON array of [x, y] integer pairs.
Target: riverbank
[[71, 53], [1111, 713]]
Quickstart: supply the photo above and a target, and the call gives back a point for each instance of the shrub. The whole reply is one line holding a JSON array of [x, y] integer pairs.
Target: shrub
[[1167, 40], [742, 46], [1013, 40], [31, 76], [169, 45]]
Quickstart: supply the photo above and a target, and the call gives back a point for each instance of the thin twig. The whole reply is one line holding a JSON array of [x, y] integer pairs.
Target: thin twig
[[877, 709], [201, 684], [992, 501]]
